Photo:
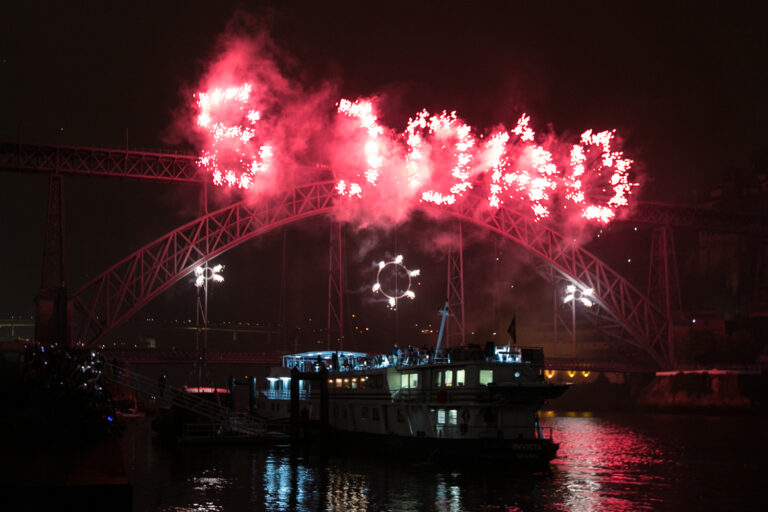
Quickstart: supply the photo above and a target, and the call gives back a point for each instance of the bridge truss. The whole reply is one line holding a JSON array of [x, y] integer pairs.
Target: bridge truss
[[115, 295], [111, 298]]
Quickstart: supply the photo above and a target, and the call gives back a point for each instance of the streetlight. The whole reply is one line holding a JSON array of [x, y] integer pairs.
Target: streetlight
[[574, 295], [203, 274]]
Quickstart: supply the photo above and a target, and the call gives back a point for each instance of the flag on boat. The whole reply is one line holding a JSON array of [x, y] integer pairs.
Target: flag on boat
[[512, 331]]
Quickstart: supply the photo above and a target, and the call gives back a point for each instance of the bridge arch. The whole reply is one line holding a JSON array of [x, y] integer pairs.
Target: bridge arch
[[111, 298]]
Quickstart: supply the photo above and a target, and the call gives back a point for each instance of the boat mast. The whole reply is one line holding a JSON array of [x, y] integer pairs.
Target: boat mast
[[444, 313]]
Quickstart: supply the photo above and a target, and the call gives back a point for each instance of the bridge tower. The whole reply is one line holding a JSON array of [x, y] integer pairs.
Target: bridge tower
[[53, 311], [663, 282], [335, 326], [455, 293]]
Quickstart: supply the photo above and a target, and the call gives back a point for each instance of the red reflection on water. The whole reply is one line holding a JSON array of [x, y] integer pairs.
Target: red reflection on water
[[604, 465]]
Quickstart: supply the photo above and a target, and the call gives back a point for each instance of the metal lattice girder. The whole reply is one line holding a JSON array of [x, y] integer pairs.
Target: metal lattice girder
[[663, 214], [455, 325], [115, 295], [167, 166], [644, 321], [335, 325], [112, 297], [100, 162]]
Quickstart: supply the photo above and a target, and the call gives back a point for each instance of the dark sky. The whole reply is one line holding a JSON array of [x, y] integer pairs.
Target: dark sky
[[684, 84]]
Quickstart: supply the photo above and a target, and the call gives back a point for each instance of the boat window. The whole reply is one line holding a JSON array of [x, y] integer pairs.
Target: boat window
[[364, 413], [440, 416], [346, 383], [460, 376], [338, 383], [453, 416], [330, 383], [486, 377], [375, 414], [448, 378], [354, 383], [438, 379], [409, 380]]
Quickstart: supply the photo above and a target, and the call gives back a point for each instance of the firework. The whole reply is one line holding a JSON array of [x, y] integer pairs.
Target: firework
[[436, 159], [394, 295], [231, 154]]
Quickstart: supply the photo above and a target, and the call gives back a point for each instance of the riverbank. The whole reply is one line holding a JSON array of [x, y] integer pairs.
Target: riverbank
[[690, 392]]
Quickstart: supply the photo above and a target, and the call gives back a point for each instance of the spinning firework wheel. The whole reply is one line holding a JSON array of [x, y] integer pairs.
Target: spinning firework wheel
[[397, 267]]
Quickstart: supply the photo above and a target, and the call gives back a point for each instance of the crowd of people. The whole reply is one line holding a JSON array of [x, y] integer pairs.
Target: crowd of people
[[65, 382], [400, 356]]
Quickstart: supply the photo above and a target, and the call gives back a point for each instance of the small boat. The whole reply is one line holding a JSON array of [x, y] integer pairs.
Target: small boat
[[474, 402]]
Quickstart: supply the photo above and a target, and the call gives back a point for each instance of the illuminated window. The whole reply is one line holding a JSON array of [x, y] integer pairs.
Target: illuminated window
[[453, 416], [346, 383], [460, 376], [486, 377], [338, 383], [438, 379], [354, 383], [441, 416], [448, 378], [409, 380]]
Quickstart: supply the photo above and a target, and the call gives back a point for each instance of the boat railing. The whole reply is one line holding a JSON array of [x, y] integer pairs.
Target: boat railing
[[282, 394], [451, 431], [407, 358]]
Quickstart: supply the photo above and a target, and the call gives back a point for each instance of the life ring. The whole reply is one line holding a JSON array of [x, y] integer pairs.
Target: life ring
[[465, 415]]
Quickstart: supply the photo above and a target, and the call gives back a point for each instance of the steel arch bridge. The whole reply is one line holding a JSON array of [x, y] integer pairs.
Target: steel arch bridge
[[625, 313], [114, 296]]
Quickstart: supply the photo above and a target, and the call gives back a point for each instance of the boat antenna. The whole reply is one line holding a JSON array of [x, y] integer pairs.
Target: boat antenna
[[444, 313]]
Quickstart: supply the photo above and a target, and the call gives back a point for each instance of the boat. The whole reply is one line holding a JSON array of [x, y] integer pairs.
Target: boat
[[467, 402]]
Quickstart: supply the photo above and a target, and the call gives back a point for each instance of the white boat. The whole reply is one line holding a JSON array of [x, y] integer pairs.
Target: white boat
[[463, 402]]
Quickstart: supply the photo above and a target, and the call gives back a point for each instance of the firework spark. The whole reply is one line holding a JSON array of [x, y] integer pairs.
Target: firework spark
[[230, 154], [436, 159]]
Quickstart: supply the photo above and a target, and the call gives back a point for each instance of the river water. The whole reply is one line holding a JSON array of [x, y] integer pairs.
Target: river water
[[606, 462]]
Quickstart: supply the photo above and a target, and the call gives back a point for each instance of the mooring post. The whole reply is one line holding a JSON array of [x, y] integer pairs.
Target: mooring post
[[323, 398], [295, 402], [232, 384], [252, 397]]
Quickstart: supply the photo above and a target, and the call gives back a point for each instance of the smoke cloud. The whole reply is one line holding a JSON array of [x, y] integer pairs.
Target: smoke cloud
[[260, 131]]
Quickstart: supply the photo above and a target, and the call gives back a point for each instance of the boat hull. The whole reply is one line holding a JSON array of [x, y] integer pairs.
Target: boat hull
[[513, 453]]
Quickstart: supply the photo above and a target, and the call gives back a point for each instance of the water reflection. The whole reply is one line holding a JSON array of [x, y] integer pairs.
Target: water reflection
[[346, 491], [608, 463], [288, 484], [447, 495]]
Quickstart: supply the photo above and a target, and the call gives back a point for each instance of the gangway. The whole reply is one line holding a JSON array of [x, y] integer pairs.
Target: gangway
[[238, 423]]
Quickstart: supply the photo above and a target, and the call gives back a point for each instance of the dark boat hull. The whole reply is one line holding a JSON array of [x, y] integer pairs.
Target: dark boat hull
[[514, 453]]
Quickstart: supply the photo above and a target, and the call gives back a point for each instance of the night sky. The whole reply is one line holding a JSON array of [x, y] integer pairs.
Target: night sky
[[683, 83]]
